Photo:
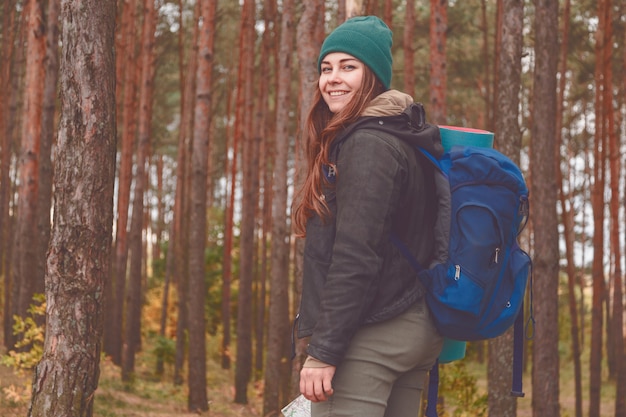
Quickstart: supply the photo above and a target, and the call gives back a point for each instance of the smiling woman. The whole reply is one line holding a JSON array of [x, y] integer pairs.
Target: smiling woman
[[372, 340]]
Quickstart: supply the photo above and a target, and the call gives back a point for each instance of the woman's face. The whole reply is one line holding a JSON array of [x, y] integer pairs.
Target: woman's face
[[340, 79]]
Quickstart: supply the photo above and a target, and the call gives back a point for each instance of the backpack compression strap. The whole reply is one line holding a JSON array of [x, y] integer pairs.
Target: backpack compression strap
[[433, 391]]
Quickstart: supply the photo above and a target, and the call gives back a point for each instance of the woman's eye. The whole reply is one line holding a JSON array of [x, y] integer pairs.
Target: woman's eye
[[326, 70], [348, 67]]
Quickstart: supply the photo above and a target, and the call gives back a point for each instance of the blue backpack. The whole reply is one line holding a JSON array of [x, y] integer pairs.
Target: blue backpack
[[476, 289]]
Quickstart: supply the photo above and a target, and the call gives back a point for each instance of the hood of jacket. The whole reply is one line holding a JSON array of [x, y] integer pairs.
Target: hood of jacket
[[396, 113]]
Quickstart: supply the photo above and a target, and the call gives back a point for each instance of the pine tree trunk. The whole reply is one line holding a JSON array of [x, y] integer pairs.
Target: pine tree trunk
[[26, 237], [165, 301], [545, 378], [509, 139], [597, 202], [277, 366], [178, 256], [6, 140], [243, 369], [388, 13], [230, 172], [567, 216], [310, 35], [47, 138], [197, 400], [260, 130], [617, 316], [438, 77], [113, 345], [65, 380], [132, 331], [489, 121], [409, 52]]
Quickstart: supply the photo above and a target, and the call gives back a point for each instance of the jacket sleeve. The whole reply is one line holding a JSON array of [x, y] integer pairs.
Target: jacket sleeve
[[370, 172]]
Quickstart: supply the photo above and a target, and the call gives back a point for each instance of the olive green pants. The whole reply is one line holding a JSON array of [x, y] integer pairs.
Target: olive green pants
[[383, 372]]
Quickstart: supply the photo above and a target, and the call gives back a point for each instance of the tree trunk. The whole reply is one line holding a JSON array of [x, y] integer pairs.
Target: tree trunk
[[621, 377], [132, 330], [567, 216], [310, 35], [197, 400], [597, 203], [227, 256], [165, 300], [617, 316], [497, 46], [47, 138], [388, 13], [509, 139], [113, 343], [489, 122], [277, 368], [438, 77], [26, 238], [6, 143], [409, 51], [260, 130], [545, 379], [66, 379], [159, 225], [243, 369], [180, 242]]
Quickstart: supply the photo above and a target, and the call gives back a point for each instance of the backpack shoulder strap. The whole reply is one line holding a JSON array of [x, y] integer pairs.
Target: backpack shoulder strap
[[443, 200]]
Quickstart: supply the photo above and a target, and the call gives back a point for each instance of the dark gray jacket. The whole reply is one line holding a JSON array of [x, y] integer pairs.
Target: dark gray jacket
[[353, 274]]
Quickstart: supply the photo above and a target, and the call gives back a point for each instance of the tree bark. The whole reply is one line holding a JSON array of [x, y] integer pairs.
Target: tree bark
[[114, 331], [177, 262], [260, 130], [278, 332], [509, 140], [388, 13], [227, 257], [78, 262], [567, 216], [597, 203], [438, 65], [197, 399], [6, 143], [243, 369], [132, 330], [489, 108], [44, 201], [617, 316], [310, 35], [545, 379], [26, 237], [409, 52]]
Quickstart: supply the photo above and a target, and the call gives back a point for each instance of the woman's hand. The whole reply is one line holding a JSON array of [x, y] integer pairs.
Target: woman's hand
[[316, 380]]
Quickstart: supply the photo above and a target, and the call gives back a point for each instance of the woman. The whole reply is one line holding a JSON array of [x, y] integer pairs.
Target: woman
[[372, 341]]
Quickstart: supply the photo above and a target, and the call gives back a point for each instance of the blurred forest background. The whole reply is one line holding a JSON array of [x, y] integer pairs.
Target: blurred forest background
[[145, 240]]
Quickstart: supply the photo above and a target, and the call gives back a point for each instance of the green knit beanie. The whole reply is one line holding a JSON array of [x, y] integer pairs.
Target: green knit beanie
[[366, 38]]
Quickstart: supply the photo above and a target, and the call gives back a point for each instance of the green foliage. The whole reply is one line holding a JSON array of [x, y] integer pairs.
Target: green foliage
[[165, 348], [29, 347], [461, 389]]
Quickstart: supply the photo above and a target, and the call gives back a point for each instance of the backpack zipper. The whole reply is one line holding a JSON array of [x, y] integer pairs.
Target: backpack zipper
[[495, 256]]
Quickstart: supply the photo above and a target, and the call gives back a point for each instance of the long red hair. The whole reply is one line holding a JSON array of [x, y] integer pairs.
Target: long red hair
[[320, 131]]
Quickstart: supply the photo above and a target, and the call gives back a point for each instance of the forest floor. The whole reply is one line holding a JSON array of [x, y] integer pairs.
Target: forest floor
[[147, 397], [152, 397]]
